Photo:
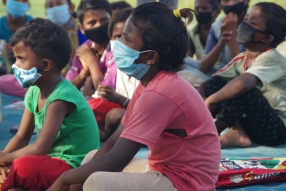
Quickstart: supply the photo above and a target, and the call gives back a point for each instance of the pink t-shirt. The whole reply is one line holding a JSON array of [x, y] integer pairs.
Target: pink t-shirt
[[106, 64], [170, 102]]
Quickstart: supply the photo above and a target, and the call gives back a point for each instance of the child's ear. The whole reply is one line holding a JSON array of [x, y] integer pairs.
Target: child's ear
[[268, 40], [81, 28], [71, 8], [47, 65], [152, 57]]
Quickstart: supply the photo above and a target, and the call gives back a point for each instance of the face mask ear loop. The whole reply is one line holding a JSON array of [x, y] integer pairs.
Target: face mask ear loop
[[139, 52]]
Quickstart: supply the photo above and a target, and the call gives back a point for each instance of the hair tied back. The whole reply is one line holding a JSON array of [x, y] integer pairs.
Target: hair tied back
[[185, 13], [177, 13]]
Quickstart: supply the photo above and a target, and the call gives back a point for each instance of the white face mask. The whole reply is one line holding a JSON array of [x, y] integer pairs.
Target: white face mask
[[26, 78], [59, 14], [112, 42]]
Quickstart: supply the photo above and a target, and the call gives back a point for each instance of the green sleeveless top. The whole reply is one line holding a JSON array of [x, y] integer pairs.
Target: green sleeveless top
[[79, 132]]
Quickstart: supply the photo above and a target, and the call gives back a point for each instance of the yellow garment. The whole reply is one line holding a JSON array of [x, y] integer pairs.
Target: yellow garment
[[195, 37], [5, 56], [270, 68]]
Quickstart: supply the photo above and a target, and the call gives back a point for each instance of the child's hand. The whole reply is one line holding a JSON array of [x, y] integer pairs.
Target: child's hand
[[108, 93], [2, 155], [4, 171], [76, 187], [225, 37], [229, 23], [87, 56], [59, 186], [209, 104]]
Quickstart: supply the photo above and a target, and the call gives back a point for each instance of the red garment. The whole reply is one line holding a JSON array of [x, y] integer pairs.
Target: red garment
[[34, 173], [170, 102], [101, 107]]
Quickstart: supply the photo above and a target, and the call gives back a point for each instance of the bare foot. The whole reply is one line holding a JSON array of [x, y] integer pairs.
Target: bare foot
[[235, 137]]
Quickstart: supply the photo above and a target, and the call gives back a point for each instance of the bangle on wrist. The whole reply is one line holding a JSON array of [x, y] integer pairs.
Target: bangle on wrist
[[126, 103]]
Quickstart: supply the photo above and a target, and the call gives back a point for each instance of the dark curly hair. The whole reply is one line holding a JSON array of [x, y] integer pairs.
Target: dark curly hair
[[276, 21], [163, 32], [89, 5], [46, 40], [214, 3], [120, 16]]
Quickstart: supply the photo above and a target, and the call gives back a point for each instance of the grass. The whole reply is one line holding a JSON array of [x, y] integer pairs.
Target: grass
[[37, 8]]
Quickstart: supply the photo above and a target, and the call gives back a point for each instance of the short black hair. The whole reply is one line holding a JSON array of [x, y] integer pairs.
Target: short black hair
[[162, 31], [120, 16], [89, 5], [276, 21], [46, 40], [214, 3], [119, 5]]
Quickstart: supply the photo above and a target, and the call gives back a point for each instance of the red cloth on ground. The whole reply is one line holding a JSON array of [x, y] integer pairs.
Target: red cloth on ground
[[34, 173]]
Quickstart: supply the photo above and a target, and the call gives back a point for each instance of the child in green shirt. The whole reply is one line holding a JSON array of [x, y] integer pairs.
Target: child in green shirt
[[64, 122]]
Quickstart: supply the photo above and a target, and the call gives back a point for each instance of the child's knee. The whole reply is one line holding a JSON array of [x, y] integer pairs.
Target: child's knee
[[94, 181], [88, 157]]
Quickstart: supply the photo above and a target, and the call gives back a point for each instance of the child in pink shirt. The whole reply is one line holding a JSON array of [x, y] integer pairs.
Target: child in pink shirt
[[93, 61], [106, 64], [165, 113]]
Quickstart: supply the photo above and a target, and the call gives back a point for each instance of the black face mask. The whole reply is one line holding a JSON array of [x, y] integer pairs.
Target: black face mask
[[237, 8], [246, 33], [98, 34], [204, 17]]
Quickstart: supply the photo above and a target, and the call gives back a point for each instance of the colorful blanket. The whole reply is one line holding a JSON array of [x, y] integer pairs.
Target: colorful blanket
[[241, 172]]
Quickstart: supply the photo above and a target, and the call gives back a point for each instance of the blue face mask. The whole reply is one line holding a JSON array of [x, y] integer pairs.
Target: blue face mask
[[26, 78], [59, 14], [17, 9], [124, 58]]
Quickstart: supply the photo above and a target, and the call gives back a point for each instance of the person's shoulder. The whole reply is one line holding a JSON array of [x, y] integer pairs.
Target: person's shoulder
[[240, 56], [88, 43], [3, 18], [28, 18], [218, 22], [3, 21], [193, 28], [66, 86], [31, 95], [270, 56], [164, 80]]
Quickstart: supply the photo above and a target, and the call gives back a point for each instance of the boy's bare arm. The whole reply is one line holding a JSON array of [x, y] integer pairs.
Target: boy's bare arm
[[79, 80], [23, 136], [55, 114], [234, 88], [210, 59], [228, 36], [90, 60], [230, 23]]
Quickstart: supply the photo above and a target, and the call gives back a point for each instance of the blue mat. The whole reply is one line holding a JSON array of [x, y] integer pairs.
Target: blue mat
[[11, 117]]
